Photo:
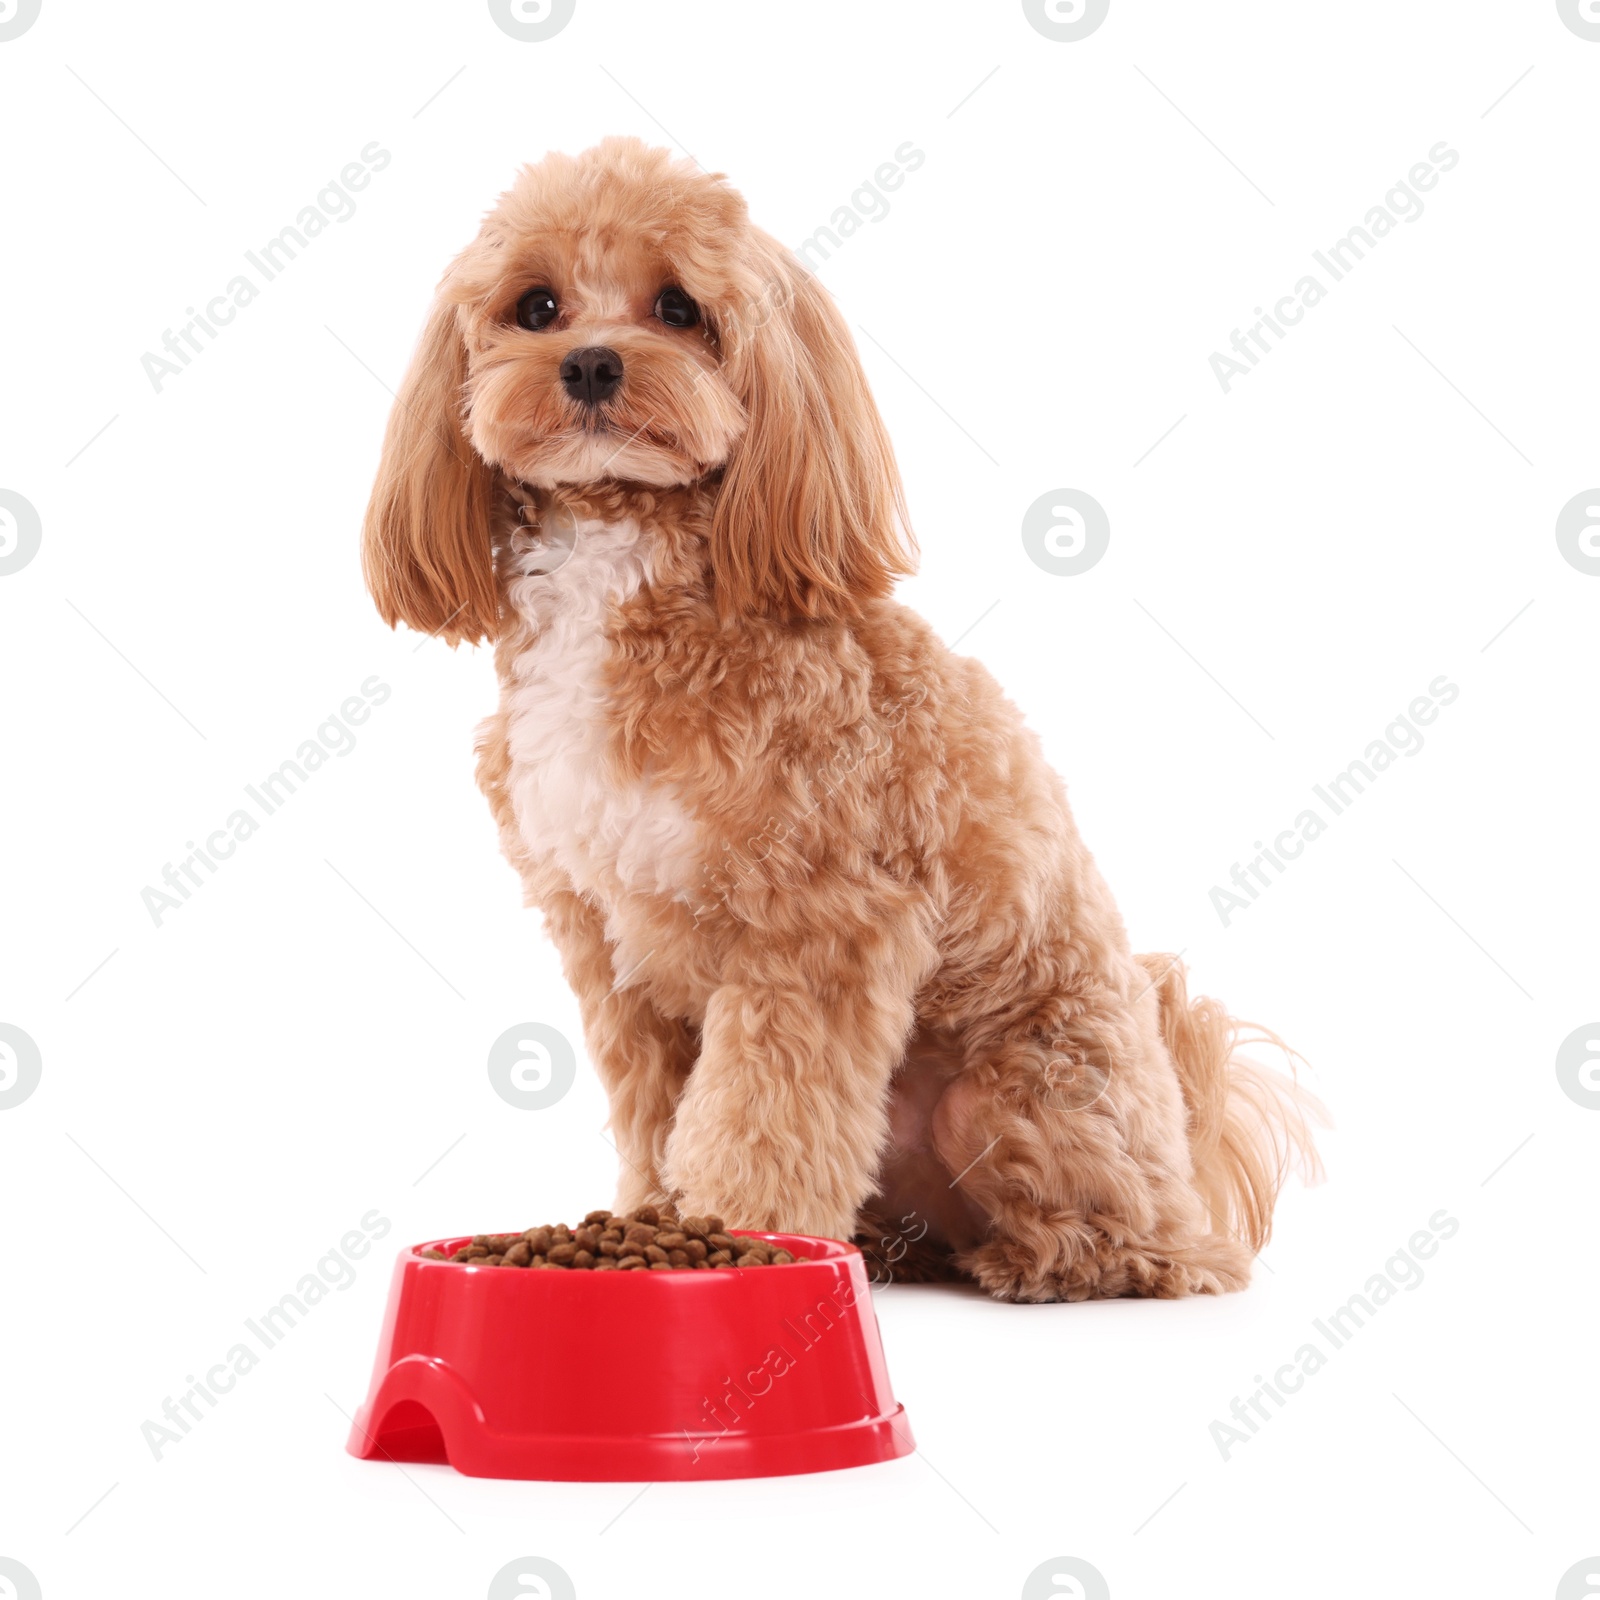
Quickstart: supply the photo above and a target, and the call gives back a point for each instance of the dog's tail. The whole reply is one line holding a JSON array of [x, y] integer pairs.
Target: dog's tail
[[1249, 1126]]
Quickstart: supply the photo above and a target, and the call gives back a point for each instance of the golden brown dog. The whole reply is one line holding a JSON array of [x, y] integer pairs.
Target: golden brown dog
[[844, 963]]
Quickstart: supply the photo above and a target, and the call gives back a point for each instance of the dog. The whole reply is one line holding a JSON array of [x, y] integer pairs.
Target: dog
[[844, 965]]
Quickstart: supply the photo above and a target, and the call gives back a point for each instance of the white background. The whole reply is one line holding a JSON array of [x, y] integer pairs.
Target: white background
[[305, 1039]]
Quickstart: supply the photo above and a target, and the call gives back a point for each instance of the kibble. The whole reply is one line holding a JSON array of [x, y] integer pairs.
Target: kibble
[[646, 1240]]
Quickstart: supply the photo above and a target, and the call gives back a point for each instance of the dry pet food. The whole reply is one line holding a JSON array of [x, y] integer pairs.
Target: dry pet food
[[646, 1240]]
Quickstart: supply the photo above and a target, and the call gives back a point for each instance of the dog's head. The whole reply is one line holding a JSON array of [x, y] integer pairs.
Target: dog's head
[[618, 319]]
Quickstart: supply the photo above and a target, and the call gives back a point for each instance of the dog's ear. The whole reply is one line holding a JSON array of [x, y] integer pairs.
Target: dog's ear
[[810, 517], [426, 548]]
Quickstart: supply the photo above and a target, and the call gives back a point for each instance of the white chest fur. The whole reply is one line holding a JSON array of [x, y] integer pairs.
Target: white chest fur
[[610, 838]]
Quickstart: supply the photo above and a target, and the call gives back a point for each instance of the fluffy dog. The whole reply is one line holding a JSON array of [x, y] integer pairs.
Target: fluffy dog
[[845, 966]]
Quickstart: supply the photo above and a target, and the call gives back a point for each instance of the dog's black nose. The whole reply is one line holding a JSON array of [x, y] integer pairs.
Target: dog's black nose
[[592, 374]]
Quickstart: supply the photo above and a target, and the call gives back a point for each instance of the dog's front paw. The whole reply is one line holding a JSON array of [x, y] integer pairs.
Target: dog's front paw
[[634, 1191], [792, 1213]]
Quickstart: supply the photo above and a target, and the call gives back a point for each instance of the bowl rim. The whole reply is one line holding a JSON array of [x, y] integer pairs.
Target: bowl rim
[[820, 1252]]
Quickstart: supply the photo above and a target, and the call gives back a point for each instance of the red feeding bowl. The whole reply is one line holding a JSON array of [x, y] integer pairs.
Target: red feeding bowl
[[747, 1372]]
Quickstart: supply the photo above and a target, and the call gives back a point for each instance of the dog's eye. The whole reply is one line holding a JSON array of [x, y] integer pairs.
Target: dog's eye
[[676, 309], [537, 309]]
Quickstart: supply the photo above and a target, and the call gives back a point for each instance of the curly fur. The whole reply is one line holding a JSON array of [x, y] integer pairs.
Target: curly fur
[[844, 964]]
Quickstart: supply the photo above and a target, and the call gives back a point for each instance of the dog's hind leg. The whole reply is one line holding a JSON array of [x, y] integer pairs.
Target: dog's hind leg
[[1068, 1127]]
